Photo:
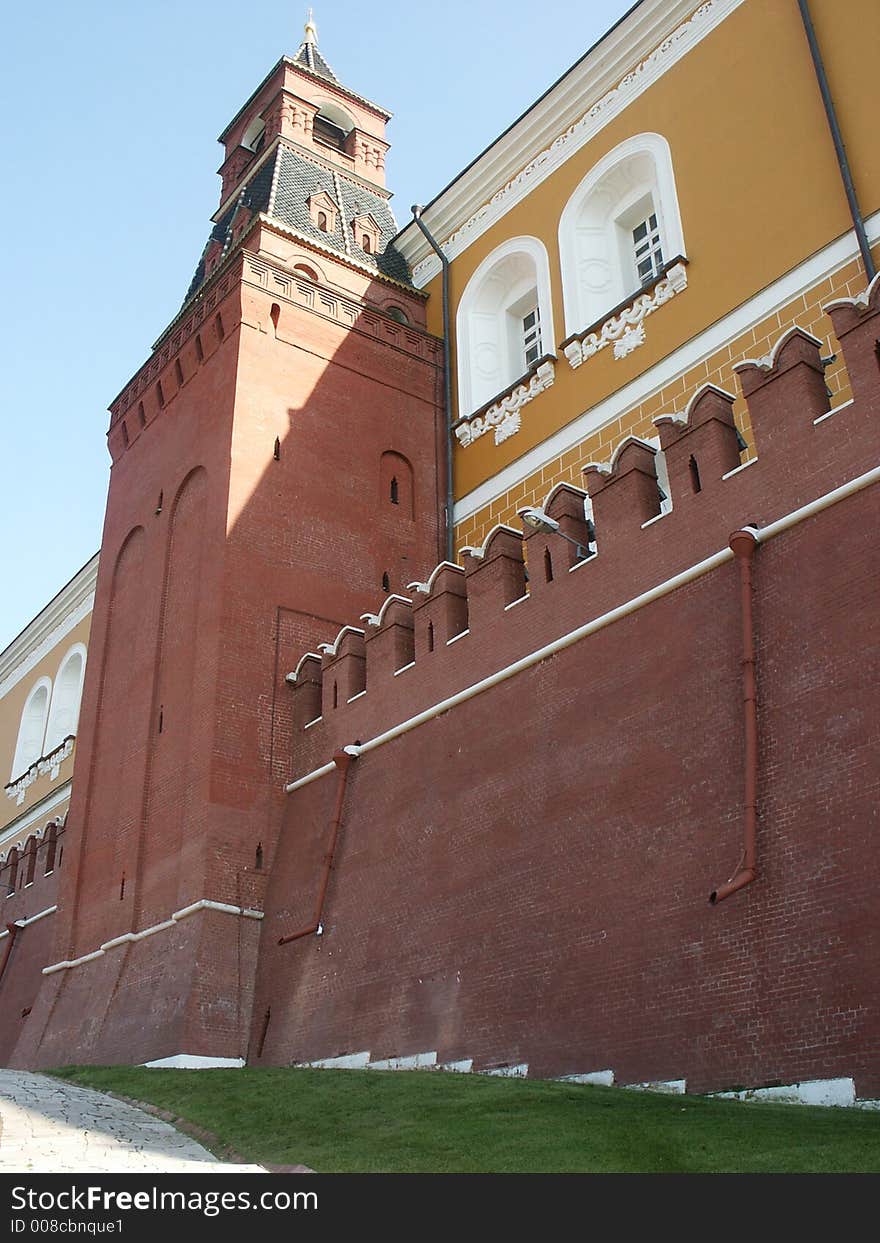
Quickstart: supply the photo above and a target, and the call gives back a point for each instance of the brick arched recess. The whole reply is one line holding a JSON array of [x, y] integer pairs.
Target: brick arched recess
[[169, 757]]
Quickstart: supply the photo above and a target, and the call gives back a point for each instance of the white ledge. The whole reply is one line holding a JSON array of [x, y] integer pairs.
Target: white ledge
[[828, 413], [204, 904], [403, 668], [456, 637], [737, 469]]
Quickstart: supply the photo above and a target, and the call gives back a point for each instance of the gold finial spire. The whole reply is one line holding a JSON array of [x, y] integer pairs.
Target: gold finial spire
[[311, 29]]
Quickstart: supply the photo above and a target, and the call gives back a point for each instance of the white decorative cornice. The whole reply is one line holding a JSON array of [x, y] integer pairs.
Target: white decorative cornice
[[73, 602], [504, 415], [50, 764], [585, 78], [626, 330]]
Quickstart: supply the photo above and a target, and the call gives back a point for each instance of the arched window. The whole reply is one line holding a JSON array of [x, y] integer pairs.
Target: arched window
[[322, 221], [504, 323], [255, 135], [332, 125], [64, 712], [32, 729], [618, 229]]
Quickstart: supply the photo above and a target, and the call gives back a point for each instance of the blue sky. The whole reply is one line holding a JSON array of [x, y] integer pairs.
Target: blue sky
[[112, 113]]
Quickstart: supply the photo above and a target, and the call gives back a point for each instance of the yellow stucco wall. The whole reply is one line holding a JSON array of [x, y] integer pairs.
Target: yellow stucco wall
[[759, 192], [11, 707]]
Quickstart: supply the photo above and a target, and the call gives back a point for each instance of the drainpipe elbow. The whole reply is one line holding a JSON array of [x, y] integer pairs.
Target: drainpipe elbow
[[744, 877]]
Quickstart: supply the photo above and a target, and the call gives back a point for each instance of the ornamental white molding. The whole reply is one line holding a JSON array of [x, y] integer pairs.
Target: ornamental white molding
[[504, 416], [50, 764], [659, 61], [626, 331], [73, 603]]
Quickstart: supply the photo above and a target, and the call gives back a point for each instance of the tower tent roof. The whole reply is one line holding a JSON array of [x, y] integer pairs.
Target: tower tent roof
[[308, 56], [296, 179]]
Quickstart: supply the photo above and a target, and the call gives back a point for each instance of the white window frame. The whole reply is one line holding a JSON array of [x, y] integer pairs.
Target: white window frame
[[638, 172], [530, 290], [65, 703], [25, 755]]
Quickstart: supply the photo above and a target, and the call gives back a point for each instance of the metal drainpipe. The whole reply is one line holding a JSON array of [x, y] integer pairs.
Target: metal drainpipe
[[342, 760], [447, 377], [743, 543], [12, 929], [840, 149]]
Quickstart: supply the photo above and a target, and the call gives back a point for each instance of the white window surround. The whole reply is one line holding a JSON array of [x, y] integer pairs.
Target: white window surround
[[66, 696], [510, 282], [32, 728], [595, 229]]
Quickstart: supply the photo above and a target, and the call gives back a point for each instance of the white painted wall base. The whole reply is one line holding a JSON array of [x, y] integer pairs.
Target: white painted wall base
[[509, 1072], [348, 1061], [192, 1061], [415, 1061], [838, 1092], [669, 1087], [601, 1078]]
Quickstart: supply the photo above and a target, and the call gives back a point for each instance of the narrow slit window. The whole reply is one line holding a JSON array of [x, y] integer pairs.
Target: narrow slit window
[[178, 371], [258, 857], [275, 313], [647, 249], [161, 719], [200, 353], [335, 694], [142, 418], [122, 887], [548, 566], [159, 503], [430, 636], [386, 582], [276, 452], [395, 496], [160, 395], [124, 434], [695, 474], [218, 325]]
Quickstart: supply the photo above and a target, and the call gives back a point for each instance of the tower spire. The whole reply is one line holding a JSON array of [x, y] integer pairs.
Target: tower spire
[[311, 33]]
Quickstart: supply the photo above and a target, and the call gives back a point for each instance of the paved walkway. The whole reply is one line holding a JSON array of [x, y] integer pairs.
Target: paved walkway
[[50, 1126]]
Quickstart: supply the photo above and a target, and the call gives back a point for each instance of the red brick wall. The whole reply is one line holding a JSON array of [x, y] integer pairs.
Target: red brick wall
[[526, 877], [221, 556]]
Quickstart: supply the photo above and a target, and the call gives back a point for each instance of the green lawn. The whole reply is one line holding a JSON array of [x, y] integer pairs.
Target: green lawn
[[394, 1122]]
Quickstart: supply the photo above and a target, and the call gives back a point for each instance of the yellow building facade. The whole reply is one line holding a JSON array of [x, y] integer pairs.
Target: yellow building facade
[[41, 679], [667, 209]]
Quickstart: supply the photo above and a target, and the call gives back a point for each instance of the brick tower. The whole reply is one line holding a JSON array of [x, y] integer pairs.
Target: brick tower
[[275, 466]]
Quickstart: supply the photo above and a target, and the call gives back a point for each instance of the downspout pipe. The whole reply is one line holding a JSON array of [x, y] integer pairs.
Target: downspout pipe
[[839, 148], [743, 544], [12, 929], [447, 375], [342, 760]]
